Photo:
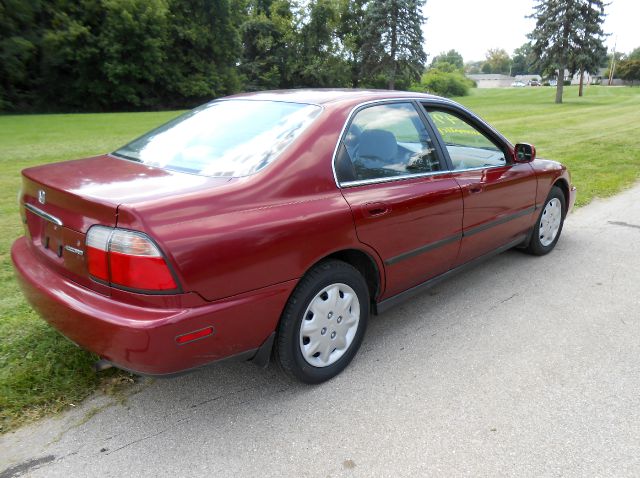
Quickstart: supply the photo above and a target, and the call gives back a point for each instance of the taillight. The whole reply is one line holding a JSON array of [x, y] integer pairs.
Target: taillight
[[127, 259]]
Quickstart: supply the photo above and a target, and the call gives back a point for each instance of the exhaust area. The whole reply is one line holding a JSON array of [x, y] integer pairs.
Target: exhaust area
[[101, 365]]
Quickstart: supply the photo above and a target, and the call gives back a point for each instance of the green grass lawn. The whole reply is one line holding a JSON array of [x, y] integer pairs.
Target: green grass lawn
[[41, 372], [595, 136]]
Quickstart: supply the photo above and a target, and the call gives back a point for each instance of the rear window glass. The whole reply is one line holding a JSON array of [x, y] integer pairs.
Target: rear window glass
[[223, 138]]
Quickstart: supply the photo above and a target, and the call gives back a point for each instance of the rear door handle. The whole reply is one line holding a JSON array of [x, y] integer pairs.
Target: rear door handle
[[374, 209]]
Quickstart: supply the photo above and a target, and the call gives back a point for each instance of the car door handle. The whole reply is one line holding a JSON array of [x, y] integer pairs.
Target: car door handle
[[374, 209], [475, 188]]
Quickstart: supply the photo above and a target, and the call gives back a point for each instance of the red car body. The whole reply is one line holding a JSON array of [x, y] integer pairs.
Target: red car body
[[237, 247]]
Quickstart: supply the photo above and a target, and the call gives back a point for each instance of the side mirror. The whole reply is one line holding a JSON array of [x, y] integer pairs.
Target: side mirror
[[524, 153]]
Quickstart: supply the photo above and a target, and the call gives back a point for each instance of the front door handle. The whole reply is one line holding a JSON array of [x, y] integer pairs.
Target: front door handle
[[475, 188], [375, 209]]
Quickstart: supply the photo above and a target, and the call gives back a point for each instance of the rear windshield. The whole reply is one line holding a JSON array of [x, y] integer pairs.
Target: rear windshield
[[223, 138]]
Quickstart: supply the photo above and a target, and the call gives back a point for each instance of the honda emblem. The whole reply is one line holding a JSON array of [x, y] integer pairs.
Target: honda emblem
[[42, 196]]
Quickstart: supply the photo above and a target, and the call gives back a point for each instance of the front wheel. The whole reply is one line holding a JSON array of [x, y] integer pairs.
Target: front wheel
[[547, 230], [323, 323]]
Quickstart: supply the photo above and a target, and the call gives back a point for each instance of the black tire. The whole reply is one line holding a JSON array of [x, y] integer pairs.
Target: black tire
[[536, 244], [289, 343]]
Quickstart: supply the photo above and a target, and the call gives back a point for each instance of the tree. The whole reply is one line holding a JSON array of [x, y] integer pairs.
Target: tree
[[392, 45], [319, 63], [523, 60], [629, 70], [204, 48], [19, 44], [497, 61], [589, 53], [350, 37], [634, 55], [473, 67], [267, 38], [554, 36], [451, 57]]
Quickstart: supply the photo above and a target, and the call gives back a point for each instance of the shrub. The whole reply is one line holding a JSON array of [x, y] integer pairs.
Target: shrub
[[444, 83]]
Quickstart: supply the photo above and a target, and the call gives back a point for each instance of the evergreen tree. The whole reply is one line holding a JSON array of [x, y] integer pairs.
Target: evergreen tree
[[564, 30], [392, 44], [589, 54], [350, 37], [319, 63], [267, 37], [554, 36]]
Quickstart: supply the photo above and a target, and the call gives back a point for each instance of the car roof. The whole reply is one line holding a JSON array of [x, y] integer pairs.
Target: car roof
[[321, 96]]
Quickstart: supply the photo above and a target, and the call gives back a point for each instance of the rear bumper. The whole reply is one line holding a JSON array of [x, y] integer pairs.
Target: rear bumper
[[143, 339]]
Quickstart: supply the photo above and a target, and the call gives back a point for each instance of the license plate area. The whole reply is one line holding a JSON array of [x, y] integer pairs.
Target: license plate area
[[52, 239], [46, 235]]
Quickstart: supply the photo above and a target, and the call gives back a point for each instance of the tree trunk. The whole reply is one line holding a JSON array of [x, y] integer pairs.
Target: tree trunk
[[581, 81], [394, 46], [560, 85]]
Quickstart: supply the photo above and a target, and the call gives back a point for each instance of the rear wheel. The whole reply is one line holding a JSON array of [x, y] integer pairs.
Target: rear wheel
[[323, 323], [547, 229]]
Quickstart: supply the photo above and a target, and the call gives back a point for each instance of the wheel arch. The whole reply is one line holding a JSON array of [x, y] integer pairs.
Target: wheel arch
[[564, 187], [365, 264]]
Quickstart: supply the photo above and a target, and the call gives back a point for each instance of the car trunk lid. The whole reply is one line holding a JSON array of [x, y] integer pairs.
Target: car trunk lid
[[61, 201]]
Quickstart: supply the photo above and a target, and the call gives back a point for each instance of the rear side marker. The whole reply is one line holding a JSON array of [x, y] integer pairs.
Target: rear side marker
[[195, 335]]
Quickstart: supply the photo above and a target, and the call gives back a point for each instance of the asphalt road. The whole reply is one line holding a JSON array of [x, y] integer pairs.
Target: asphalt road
[[522, 366]]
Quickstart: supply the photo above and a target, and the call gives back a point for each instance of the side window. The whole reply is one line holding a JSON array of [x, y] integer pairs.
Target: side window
[[386, 141], [468, 147]]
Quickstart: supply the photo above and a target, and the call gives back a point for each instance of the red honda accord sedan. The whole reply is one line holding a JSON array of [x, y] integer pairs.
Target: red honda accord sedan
[[274, 223]]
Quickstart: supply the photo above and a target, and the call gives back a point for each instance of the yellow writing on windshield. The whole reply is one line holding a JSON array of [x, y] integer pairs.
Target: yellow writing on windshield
[[451, 130]]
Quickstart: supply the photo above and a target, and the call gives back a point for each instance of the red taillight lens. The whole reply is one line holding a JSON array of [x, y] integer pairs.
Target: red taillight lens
[[97, 246], [127, 259]]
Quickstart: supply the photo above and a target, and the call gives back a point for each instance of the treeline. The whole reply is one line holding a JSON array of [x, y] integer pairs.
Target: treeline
[[99, 55]]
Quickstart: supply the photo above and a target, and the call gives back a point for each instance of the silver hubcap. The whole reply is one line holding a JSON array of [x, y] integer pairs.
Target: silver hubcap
[[329, 325], [550, 222]]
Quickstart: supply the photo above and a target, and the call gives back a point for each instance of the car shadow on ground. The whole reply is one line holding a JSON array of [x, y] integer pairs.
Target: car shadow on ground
[[416, 322]]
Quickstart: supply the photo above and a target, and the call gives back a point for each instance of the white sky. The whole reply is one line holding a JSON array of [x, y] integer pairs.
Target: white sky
[[473, 26]]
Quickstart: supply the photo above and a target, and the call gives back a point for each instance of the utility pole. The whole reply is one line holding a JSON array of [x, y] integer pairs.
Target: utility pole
[[613, 62]]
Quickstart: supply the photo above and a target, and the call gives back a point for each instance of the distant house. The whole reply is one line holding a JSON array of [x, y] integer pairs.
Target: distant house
[[492, 80]]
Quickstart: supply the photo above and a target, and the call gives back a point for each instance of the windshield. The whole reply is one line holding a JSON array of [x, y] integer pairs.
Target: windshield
[[223, 138]]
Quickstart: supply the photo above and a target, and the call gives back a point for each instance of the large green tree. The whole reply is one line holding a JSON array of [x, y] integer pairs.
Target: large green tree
[[393, 44], [452, 57], [565, 30], [19, 42], [634, 55], [523, 60], [319, 62], [267, 37], [203, 49], [589, 53], [629, 70], [350, 37], [497, 61]]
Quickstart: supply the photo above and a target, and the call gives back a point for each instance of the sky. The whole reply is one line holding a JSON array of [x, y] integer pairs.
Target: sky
[[473, 26]]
